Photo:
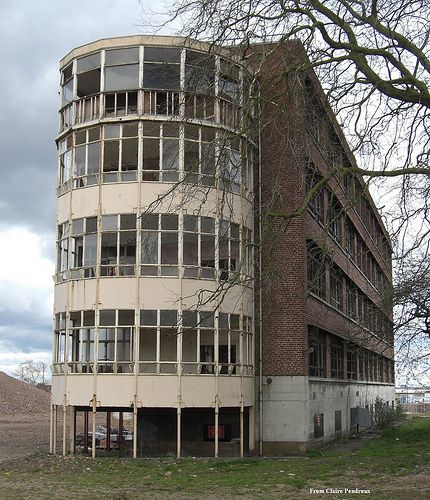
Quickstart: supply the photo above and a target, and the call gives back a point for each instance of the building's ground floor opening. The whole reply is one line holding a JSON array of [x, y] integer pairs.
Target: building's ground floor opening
[[110, 428], [192, 432], [154, 432]]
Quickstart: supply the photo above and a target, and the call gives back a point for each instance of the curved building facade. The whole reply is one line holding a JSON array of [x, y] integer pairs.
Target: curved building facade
[[170, 335], [153, 285]]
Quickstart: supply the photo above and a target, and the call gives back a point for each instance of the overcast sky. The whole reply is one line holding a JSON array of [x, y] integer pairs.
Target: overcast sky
[[34, 36]]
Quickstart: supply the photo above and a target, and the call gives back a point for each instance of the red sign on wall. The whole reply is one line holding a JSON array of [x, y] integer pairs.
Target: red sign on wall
[[211, 432]]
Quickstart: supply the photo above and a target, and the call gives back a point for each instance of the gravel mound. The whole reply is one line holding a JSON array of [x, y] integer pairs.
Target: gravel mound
[[19, 398]]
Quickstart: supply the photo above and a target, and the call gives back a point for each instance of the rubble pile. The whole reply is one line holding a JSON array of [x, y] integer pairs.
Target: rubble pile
[[20, 398]]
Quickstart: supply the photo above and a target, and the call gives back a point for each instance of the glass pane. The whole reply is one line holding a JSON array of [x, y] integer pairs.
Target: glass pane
[[162, 54], [111, 156], [122, 77], [207, 250], [169, 221], [189, 318], [148, 317], [191, 249], [161, 76], [67, 92], [148, 344], [170, 154], [168, 317], [107, 317], [129, 154], [149, 221], [93, 157], [90, 252], [127, 247], [128, 221], [189, 345], [207, 225], [191, 223], [126, 317], [109, 222], [169, 248], [168, 344], [151, 154], [88, 62], [88, 83], [121, 56], [89, 318], [149, 247]]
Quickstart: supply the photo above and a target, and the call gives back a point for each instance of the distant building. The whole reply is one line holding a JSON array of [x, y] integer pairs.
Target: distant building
[[170, 176]]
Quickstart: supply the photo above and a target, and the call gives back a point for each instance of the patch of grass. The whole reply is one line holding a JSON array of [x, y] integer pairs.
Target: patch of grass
[[397, 452]]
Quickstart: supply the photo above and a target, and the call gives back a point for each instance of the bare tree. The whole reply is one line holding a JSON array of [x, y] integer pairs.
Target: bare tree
[[31, 371], [372, 59]]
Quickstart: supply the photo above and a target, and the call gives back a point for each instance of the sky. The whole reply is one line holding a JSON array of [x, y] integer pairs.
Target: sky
[[34, 36]]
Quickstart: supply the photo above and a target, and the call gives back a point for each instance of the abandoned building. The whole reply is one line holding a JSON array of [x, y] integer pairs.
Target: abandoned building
[[223, 281]]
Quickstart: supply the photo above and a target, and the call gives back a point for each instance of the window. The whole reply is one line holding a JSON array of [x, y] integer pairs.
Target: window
[[86, 163], [334, 218], [159, 245], [88, 75], [120, 157], [65, 156], [118, 245], [67, 85], [317, 352], [316, 270], [229, 249], [63, 247], [336, 288], [351, 362], [161, 152], [316, 202], [83, 251], [337, 362]]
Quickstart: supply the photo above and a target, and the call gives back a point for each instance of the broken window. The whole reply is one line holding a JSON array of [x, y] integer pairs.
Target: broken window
[[120, 104], [115, 340], [88, 75], [199, 72], [67, 85]]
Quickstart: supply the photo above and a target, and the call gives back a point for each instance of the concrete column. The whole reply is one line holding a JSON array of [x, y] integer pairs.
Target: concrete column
[[51, 429], [54, 430]]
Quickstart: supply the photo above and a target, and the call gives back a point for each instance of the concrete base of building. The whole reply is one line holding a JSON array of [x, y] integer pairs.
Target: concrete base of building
[[283, 448]]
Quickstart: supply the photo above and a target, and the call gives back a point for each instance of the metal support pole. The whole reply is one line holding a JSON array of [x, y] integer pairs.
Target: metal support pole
[[135, 428], [241, 429], [108, 430], [51, 429], [64, 428], [216, 427], [178, 433], [72, 416], [93, 441], [54, 431], [86, 418]]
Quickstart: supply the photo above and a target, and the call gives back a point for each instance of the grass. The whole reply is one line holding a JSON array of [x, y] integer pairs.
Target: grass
[[380, 465]]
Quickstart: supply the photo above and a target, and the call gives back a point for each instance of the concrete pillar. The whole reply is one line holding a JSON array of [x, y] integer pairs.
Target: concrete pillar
[[54, 430], [64, 428], [216, 428], [241, 430]]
